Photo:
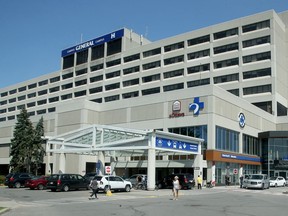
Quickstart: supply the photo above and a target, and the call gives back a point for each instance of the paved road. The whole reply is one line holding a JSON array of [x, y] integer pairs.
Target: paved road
[[216, 201]]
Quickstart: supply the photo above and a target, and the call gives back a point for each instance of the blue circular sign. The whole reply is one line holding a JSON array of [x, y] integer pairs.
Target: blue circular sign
[[242, 120]]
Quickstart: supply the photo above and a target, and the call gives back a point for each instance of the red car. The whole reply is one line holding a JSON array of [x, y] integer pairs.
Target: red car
[[38, 182]]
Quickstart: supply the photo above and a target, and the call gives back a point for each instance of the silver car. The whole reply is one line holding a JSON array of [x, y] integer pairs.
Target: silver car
[[259, 181]]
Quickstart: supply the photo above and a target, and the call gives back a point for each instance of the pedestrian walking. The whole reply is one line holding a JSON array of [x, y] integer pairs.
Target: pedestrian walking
[[241, 181], [94, 186], [176, 187], [199, 182]]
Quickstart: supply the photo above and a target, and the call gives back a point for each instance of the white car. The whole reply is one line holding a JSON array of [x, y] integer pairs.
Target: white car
[[109, 182], [277, 181]]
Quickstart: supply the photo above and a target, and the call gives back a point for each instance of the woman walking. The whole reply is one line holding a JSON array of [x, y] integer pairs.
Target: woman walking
[[176, 187]]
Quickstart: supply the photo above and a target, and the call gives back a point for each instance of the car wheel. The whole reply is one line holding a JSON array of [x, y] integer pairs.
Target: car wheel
[[106, 188], [17, 185], [40, 187], [127, 188], [263, 186], [65, 188]]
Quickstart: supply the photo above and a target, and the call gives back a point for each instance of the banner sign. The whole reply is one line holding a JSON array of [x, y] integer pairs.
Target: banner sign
[[176, 145], [240, 157], [94, 42]]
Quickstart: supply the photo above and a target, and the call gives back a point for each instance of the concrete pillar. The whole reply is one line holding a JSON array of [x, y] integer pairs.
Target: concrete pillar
[[213, 172], [151, 170], [198, 165], [62, 162], [47, 165], [101, 163]]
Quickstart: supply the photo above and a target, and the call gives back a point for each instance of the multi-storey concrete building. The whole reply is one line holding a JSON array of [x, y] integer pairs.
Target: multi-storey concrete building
[[226, 84]]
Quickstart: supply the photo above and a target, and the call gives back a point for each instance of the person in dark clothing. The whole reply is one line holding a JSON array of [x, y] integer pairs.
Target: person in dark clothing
[[94, 186], [227, 180], [241, 181]]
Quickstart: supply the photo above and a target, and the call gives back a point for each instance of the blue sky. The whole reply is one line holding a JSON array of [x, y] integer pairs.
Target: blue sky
[[34, 32]]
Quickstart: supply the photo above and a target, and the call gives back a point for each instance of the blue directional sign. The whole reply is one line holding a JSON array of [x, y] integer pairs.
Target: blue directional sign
[[176, 144]]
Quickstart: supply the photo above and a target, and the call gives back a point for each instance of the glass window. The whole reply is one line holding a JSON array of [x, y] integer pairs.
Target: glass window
[[199, 54], [97, 52], [114, 47], [256, 41], [113, 74], [55, 79], [198, 68], [96, 67], [226, 63], [41, 102], [82, 57], [174, 60], [131, 82], [132, 58], [175, 46], [265, 105], [81, 82], [256, 26], [80, 93], [67, 76], [151, 65], [54, 89], [113, 63], [226, 139], [151, 91], [68, 61], [43, 92], [281, 110], [200, 82], [199, 40], [226, 78], [95, 90], [96, 78], [173, 87], [44, 82], [54, 99], [130, 95], [251, 145], [67, 86], [226, 33], [31, 86], [131, 70], [67, 96], [256, 57], [257, 73], [152, 52], [81, 72], [151, 78], [257, 89], [112, 86], [174, 73], [112, 98], [226, 48]]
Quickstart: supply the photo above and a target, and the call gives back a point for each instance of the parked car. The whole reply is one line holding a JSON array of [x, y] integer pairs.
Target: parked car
[[17, 180], [245, 180], [286, 182], [38, 182], [90, 176], [260, 181], [277, 181], [109, 182], [66, 182], [186, 181], [134, 178]]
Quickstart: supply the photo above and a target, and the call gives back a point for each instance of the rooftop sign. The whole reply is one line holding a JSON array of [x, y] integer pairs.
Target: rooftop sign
[[94, 42]]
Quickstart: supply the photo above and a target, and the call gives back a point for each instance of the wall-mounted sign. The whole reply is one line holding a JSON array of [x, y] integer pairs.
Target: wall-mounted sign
[[176, 144], [241, 120], [240, 157], [196, 106], [94, 42], [176, 108]]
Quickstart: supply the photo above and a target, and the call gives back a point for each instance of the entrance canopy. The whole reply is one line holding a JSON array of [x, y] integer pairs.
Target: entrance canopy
[[117, 142]]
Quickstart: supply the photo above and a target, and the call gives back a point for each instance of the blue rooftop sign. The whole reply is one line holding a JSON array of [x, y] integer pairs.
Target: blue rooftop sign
[[94, 42], [176, 145]]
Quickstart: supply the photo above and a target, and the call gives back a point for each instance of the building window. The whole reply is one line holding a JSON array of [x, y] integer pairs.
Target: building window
[[132, 58], [21, 89], [256, 57], [256, 41], [266, 106], [11, 117], [226, 33], [199, 40], [80, 93], [14, 91], [5, 101], [226, 48], [40, 112], [20, 107], [41, 102], [281, 110], [20, 98], [175, 73], [95, 90], [67, 76], [67, 96], [112, 98], [97, 100], [175, 46], [151, 65], [31, 95], [96, 67], [251, 145], [113, 74], [54, 89], [234, 91], [3, 111], [131, 70], [97, 52], [54, 99], [173, 87], [257, 73], [11, 109], [195, 83], [226, 78], [2, 119], [68, 61], [226, 139], [67, 86], [82, 57], [32, 104], [4, 94], [31, 113], [81, 82], [151, 91], [256, 26], [52, 109], [257, 89], [55, 79], [43, 92], [226, 63], [96, 78], [198, 54], [151, 78], [151, 52], [113, 63], [114, 46], [12, 100], [131, 82], [44, 82], [81, 72], [31, 86], [199, 68], [112, 87], [174, 60], [130, 95]]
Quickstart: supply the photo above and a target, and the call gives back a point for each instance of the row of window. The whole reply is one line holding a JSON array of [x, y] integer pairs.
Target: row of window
[[115, 46], [155, 77]]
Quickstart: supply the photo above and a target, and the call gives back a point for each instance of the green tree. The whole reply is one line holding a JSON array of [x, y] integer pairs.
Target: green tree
[[21, 142], [27, 152]]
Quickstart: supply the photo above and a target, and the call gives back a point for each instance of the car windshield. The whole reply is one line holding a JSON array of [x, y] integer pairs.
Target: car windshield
[[256, 177], [273, 178]]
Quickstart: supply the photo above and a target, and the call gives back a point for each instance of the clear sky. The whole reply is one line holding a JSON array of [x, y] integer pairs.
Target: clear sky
[[34, 32]]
